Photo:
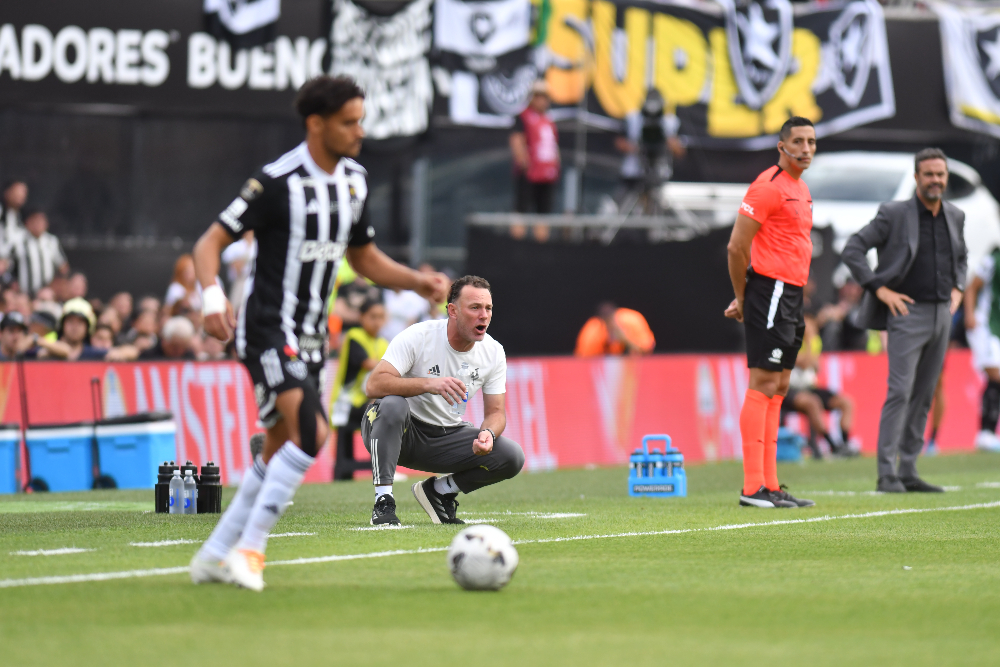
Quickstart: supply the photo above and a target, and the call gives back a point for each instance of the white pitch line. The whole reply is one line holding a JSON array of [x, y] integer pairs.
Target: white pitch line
[[384, 526], [162, 543], [130, 574], [50, 552], [988, 485], [291, 535]]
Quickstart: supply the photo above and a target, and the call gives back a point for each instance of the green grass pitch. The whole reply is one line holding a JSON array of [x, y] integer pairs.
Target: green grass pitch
[[870, 586]]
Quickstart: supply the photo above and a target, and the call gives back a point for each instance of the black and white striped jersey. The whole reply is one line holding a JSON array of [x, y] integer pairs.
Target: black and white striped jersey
[[303, 220], [38, 259]]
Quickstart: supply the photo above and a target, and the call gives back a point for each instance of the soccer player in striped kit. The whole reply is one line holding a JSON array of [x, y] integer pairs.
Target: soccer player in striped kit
[[307, 211], [769, 255]]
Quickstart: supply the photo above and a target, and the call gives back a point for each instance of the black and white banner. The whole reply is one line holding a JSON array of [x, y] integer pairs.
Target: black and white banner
[[387, 56], [483, 59], [242, 23], [970, 46]]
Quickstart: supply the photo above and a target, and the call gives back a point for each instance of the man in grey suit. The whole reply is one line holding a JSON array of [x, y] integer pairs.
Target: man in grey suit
[[914, 291]]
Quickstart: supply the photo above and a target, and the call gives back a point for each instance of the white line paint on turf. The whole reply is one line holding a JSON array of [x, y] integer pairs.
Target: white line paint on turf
[[162, 543], [384, 526], [131, 574], [290, 535], [536, 515], [988, 485], [51, 552]]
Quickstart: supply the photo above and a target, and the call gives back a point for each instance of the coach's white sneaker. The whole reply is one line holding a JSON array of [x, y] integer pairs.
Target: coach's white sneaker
[[246, 569], [209, 571], [988, 441]]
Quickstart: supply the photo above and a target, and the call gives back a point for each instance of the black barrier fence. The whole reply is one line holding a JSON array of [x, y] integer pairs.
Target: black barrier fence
[[543, 293]]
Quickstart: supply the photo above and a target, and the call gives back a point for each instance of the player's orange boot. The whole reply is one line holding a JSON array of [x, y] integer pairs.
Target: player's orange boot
[[246, 568]]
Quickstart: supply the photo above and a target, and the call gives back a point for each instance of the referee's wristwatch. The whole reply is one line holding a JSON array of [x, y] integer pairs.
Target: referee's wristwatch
[[492, 434]]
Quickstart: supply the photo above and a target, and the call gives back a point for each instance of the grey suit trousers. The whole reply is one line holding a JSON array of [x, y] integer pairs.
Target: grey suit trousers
[[917, 345]]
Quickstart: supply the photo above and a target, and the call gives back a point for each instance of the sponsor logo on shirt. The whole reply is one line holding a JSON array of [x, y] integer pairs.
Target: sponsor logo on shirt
[[297, 369], [747, 207], [434, 370], [321, 251]]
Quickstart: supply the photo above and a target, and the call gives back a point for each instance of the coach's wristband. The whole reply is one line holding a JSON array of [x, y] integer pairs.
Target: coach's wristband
[[213, 300], [494, 435]]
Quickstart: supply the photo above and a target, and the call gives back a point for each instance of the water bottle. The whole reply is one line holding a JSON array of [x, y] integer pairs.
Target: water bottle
[[162, 490], [190, 494], [210, 489], [465, 377], [177, 493]]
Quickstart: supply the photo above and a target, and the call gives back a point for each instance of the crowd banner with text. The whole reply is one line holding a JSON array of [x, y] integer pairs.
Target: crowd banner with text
[[387, 56], [970, 45], [565, 412]]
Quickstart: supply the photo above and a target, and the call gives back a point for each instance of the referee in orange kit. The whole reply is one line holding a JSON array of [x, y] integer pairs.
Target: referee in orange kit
[[769, 255]]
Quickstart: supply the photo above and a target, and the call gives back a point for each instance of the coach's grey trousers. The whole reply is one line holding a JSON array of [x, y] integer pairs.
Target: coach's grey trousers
[[917, 345], [394, 438]]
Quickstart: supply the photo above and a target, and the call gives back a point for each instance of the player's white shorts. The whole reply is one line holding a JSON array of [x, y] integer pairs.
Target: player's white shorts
[[985, 348]]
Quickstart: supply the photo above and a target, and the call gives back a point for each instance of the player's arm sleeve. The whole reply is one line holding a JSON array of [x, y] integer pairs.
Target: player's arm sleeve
[[249, 210], [362, 232], [760, 202], [496, 383], [402, 351]]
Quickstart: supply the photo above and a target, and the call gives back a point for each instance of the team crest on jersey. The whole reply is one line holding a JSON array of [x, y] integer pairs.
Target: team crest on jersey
[[776, 355], [297, 369]]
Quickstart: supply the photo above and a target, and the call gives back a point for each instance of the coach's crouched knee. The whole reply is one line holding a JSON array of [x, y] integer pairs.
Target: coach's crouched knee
[[510, 457], [393, 409]]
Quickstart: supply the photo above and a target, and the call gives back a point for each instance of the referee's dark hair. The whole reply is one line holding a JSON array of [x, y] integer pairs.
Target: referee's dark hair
[[325, 95], [473, 281], [794, 121], [928, 154]]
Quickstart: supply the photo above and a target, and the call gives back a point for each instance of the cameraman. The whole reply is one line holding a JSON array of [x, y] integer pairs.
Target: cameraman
[[649, 142]]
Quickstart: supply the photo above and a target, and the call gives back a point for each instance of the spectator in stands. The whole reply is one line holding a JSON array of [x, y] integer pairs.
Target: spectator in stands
[[211, 349], [103, 337], [175, 342], [350, 296], [614, 331], [150, 303], [78, 286], [75, 326], [109, 318], [14, 340], [42, 323], [38, 254], [144, 329], [122, 303], [15, 196], [534, 144], [183, 291], [837, 322], [403, 308], [361, 350], [22, 304]]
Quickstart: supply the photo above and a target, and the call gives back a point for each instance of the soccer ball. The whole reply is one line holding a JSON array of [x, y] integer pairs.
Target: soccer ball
[[482, 558]]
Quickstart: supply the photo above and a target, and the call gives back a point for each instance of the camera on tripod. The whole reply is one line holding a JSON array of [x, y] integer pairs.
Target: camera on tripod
[[657, 166]]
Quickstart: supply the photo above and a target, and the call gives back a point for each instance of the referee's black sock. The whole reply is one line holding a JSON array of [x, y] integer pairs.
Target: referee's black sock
[[991, 407]]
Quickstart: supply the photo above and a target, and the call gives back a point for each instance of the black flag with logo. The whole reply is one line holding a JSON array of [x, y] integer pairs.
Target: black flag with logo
[[242, 23]]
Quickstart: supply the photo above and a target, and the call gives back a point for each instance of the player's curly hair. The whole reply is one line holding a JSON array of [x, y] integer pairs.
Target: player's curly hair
[[473, 281], [325, 95]]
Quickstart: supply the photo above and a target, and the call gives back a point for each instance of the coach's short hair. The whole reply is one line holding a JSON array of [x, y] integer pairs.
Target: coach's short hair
[[325, 95], [928, 154], [794, 121], [472, 281]]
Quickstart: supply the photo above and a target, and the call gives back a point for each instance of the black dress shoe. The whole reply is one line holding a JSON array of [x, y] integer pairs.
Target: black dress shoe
[[890, 484], [915, 484]]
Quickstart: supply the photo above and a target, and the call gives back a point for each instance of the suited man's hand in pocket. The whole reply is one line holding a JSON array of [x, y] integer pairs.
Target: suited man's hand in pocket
[[894, 300]]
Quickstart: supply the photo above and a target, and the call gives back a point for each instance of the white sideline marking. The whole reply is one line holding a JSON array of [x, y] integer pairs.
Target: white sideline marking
[[162, 543], [535, 515], [988, 485], [130, 574], [384, 526], [51, 552], [291, 535]]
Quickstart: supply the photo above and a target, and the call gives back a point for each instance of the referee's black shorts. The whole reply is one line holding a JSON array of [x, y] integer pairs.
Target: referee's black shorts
[[774, 322]]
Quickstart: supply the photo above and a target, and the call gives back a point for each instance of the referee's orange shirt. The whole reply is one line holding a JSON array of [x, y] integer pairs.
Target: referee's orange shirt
[[782, 249]]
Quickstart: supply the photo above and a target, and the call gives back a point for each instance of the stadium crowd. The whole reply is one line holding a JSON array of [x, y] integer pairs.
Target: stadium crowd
[[48, 313]]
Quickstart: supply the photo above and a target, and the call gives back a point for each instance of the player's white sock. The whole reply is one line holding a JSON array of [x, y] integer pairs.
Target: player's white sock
[[383, 491], [445, 485], [284, 475], [230, 525]]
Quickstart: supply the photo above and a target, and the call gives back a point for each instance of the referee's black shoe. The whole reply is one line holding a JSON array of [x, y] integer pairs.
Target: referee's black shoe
[[384, 512], [783, 493], [440, 507], [764, 499]]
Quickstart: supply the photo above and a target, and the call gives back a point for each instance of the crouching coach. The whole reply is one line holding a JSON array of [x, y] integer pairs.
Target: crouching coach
[[421, 387]]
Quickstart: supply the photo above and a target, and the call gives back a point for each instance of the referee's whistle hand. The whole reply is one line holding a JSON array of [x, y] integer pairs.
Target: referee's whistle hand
[[735, 311], [221, 325], [894, 300]]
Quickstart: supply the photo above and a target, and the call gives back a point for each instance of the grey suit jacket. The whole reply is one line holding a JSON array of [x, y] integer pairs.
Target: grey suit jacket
[[894, 233]]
